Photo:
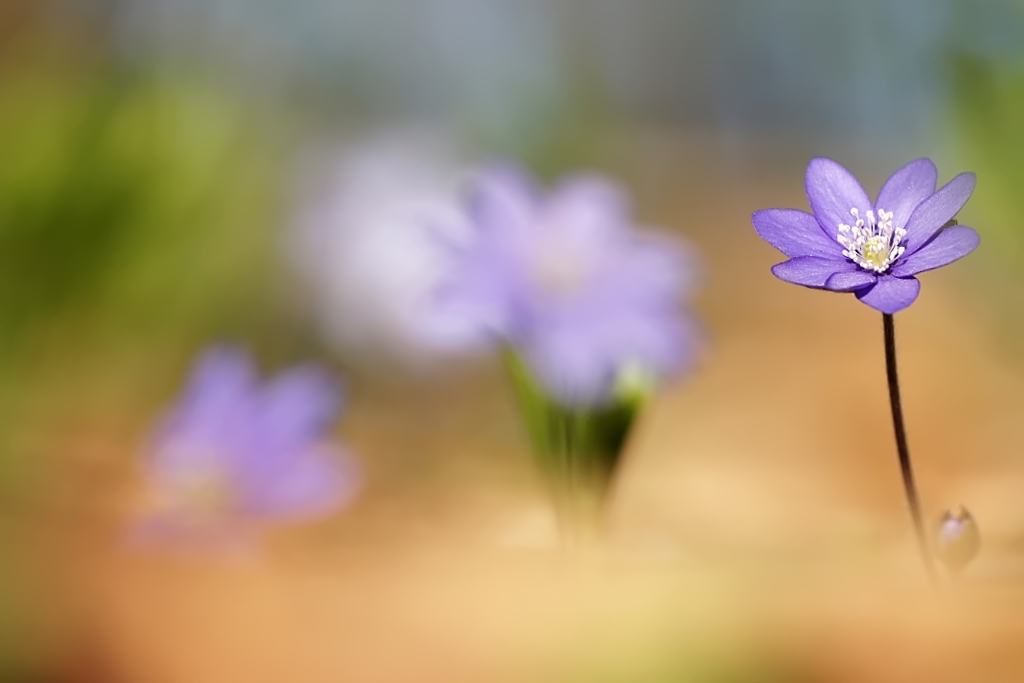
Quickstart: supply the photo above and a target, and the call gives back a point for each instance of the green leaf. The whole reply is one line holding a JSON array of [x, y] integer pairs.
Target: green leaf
[[575, 448]]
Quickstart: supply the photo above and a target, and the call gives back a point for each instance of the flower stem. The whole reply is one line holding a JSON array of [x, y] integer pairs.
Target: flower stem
[[901, 443]]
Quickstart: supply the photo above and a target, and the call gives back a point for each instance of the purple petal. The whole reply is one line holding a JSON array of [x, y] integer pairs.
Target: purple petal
[[483, 310], [794, 233], [891, 294], [949, 245], [295, 409], [587, 205], [656, 266], [833, 192], [503, 198], [906, 189], [475, 286], [201, 430], [314, 484], [221, 379], [935, 212], [573, 367], [850, 281], [811, 271]]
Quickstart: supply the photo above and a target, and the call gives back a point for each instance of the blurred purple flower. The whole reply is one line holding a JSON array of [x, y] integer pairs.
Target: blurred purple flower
[[360, 245], [872, 250], [564, 280], [235, 455]]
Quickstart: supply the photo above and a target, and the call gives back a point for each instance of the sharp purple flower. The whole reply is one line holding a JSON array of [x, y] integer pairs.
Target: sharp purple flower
[[564, 280], [875, 250], [235, 454]]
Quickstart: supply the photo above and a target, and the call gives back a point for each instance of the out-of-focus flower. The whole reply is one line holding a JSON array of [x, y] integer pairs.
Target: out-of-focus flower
[[874, 250], [565, 281], [958, 539], [235, 455], [364, 247]]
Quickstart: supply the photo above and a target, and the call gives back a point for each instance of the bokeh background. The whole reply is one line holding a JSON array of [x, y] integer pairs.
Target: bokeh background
[[179, 172]]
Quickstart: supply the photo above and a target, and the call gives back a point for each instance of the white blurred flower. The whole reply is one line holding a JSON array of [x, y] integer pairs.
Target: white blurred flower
[[365, 244]]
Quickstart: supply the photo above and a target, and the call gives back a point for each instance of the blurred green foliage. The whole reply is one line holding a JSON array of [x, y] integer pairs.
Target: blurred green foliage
[[988, 97], [574, 447], [138, 221], [137, 218], [986, 101]]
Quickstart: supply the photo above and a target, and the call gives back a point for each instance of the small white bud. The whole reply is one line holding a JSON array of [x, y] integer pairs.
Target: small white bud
[[958, 539]]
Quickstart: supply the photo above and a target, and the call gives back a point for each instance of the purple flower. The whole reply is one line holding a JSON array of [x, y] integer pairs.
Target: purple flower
[[873, 250], [234, 454], [564, 280], [359, 245]]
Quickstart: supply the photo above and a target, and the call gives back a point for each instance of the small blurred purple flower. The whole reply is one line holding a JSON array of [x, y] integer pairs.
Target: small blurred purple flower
[[566, 282], [872, 250], [234, 455]]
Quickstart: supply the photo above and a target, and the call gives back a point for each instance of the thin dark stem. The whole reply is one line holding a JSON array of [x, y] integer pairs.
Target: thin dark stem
[[901, 442]]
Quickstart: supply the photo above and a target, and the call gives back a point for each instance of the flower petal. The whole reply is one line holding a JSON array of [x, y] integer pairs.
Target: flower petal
[[850, 281], [221, 380], [503, 198], [794, 233], [293, 411], [949, 245], [571, 363], [587, 205], [891, 294], [810, 271], [314, 484], [906, 189], [934, 212], [650, 267], [202, 429], [833, 192]]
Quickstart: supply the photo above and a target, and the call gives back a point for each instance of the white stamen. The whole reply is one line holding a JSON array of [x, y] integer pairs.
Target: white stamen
[[873, 244]]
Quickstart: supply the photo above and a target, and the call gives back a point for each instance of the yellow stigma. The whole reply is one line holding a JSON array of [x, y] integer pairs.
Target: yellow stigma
[[876, 252]]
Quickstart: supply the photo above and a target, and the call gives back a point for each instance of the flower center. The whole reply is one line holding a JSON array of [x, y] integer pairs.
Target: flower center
[[561, 273], [872, 243]]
